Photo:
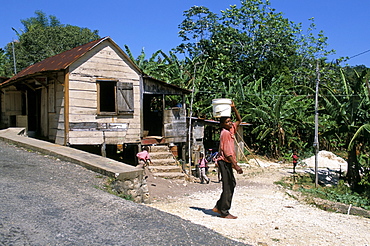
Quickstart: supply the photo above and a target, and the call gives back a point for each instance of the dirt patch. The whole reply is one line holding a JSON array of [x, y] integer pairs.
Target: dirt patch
[[167, 189]]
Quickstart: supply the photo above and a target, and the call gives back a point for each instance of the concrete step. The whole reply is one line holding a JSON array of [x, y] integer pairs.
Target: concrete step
[[164, 162], [166, 169], [168, 175], [158, 148], [161, 155]]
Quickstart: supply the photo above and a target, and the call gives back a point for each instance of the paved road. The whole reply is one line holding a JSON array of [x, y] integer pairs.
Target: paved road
[[45, 201]]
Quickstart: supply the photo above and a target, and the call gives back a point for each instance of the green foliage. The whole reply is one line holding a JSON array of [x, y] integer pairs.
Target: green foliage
[[40, 21], [3, 64], [364, 160], [340, 193], [249, 42], [282, 120], [305, 152], [43, 37], [348, 106]]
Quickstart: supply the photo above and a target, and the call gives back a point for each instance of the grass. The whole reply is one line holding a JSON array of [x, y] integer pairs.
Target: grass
[[108, 187], [305, 183]]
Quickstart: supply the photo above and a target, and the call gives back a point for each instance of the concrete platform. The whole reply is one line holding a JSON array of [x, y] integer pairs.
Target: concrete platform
[[93, 162]]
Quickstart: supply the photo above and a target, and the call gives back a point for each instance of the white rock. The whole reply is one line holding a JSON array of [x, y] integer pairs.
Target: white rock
[[327, 159]]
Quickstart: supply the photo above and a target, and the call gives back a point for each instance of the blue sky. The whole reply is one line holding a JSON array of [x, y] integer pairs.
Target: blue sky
[[153, 25]]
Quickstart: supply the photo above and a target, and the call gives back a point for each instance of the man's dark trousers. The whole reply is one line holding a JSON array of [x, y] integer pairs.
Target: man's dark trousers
[[228, 185]]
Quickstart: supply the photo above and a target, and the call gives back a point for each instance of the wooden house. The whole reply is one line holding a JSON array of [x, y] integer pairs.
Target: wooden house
[[92, 95]]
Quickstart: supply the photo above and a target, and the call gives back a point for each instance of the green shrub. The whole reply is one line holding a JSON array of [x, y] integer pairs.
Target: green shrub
[[338, 193]]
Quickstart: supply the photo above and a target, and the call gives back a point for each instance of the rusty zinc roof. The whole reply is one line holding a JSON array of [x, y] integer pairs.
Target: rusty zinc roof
[[66, 58], [57, 62]]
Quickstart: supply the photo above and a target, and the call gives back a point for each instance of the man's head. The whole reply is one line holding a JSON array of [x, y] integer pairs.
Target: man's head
[[226, 122]]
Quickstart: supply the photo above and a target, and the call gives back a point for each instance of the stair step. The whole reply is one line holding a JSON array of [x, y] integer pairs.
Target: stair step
[[168, 175], [161, 155], [158, 148], [163, 162], [161, 169]]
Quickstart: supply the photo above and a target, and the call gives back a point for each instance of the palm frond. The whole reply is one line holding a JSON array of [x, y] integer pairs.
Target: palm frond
[[358, 133]]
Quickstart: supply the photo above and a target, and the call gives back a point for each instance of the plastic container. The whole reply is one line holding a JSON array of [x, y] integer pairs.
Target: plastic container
[[221, 107]]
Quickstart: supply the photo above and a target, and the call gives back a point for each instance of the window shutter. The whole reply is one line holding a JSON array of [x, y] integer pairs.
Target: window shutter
[[125, 98]]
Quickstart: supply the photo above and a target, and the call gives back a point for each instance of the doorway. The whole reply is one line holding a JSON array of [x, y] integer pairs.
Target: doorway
[[153, 114], [34, 112]]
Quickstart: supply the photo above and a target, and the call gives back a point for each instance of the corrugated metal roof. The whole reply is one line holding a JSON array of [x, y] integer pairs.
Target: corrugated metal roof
[[57, 62], [175, 87], [66, 58]]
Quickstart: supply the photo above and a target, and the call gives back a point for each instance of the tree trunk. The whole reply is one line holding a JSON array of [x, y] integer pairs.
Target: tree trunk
[[353, 173]]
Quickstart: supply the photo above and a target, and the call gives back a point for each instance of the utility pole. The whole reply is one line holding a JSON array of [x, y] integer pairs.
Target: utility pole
[[15, 66], [316, 140], [14, 61], [190, 123]]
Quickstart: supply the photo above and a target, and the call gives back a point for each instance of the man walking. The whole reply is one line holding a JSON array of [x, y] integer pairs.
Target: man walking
[[226, 162]]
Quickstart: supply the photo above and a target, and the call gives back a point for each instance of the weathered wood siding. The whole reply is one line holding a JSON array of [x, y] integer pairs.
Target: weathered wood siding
[[44, 123], [56, 113], [12, 107], [174, 125], [86, 125]]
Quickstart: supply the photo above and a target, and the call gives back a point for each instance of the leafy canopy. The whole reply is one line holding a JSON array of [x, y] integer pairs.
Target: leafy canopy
[[44, 36]]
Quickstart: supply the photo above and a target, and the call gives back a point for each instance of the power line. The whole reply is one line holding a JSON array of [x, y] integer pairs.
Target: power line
[[358, 54]]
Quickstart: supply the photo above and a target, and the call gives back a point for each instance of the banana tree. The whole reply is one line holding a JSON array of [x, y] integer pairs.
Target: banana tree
[[280, 118], [348, 106]]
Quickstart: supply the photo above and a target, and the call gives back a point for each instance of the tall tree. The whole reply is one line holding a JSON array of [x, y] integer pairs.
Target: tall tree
[[43, 37], [252, 40], [3, 64], [244, 45]]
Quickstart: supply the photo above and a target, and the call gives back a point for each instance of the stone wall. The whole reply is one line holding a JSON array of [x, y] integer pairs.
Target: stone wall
[[136, 188]]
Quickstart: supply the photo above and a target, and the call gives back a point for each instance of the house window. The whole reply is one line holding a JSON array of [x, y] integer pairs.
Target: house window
[[107, 95], [115, 97]]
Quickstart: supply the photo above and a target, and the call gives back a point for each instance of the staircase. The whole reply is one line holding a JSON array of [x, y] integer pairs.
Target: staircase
[[164, 164]]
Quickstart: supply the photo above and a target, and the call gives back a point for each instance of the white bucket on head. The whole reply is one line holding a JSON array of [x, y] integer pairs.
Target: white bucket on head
[[221, 107]]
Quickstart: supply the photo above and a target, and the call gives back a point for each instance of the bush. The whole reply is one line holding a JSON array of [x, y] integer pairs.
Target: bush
[[340, 193]]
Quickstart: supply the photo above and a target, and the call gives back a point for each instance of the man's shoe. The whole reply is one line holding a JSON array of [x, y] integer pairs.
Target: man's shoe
[[216, 210], [229, 216]]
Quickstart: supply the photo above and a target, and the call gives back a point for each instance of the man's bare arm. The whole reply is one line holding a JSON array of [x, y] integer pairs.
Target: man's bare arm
[[235, 165], [237, 115]]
